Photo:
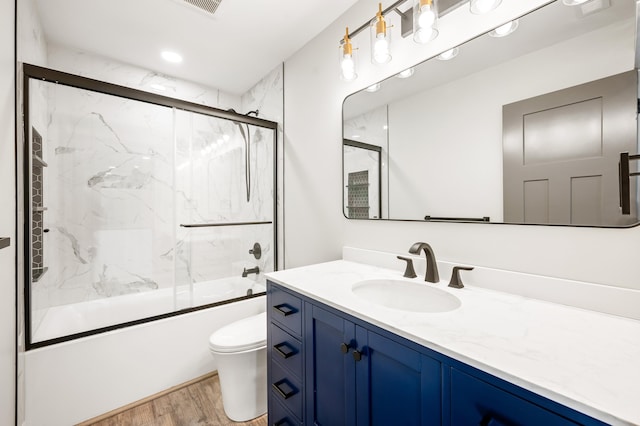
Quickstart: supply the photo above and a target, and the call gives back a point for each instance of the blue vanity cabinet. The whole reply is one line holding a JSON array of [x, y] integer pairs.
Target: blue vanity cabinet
[[355, 376], [474, 401], [285, 357], [345, 371]]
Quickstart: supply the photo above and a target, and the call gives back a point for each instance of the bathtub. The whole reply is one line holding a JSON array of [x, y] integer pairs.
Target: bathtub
[[65, 320], [79, 379]]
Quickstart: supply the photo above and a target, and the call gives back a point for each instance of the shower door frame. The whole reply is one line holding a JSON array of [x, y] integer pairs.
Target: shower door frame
[[59, 77]]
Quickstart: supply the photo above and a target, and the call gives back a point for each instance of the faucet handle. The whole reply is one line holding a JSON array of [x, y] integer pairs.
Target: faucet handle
[[409, 272], [456, 281]]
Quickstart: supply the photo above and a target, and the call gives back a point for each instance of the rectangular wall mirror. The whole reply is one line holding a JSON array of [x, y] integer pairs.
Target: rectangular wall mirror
[[528, 128]]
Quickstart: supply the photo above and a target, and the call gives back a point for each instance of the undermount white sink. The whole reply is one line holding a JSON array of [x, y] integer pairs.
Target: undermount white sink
[[406, 296]]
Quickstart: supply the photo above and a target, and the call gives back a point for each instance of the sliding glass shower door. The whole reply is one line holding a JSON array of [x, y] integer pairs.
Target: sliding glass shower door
[[138, 206]]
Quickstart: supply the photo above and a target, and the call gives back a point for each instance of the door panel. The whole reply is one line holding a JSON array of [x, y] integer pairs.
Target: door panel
[[571, 139], [330, 372], [404, 385]]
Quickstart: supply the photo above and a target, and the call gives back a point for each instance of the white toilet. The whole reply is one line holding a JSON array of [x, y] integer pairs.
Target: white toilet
[[240, 350]]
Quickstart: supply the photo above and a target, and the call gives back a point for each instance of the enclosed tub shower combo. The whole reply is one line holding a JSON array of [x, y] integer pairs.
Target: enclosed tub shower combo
[[138, 207]]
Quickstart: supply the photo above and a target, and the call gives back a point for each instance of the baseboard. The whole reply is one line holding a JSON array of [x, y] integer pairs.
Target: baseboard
[[145, 400]]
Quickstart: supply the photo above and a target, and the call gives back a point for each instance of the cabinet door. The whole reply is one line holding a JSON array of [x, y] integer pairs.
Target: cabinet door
[[474, 401], [396, 385], [330, 368]]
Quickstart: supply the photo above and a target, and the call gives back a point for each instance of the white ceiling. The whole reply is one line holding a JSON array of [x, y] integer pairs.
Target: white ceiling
[[230, 50]]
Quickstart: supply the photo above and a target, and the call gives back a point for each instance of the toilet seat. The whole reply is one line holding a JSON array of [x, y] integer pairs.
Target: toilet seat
[[242, 335]]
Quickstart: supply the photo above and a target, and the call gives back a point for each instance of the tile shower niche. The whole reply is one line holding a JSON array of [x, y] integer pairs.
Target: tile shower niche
[[37, 206]]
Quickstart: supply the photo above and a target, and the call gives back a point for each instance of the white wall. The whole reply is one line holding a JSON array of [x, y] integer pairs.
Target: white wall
[[425, 128], [7, 215], [315, 227]]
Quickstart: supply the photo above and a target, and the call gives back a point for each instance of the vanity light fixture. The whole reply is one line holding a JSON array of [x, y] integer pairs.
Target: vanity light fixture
[[425, 21], [406, 73], [421, 20], [505, 30], [173, 57], [380, 39], [480, 7], [347, 59], [448, 54], [373, 88]]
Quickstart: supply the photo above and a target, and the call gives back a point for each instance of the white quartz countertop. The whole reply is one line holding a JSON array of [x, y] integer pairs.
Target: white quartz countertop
[[585, 360]]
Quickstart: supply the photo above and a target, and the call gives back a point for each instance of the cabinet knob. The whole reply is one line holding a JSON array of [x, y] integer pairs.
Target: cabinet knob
[[344, 347], [357, 355]]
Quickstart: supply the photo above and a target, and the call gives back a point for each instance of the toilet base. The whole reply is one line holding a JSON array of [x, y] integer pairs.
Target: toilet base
[[243, 382]]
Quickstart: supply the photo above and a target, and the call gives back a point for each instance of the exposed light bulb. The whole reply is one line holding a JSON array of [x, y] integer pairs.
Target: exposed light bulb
[[381, 54], [425, 21], [427, 16], [380, 39], [347, 60], [449, 54], [480, 7], [348, 67], [505, 30]]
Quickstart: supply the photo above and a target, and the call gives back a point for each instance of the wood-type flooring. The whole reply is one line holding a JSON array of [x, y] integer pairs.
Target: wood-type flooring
[[198, 403]]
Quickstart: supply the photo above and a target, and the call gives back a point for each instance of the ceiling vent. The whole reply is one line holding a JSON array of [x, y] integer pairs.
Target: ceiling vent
[[208, 6]]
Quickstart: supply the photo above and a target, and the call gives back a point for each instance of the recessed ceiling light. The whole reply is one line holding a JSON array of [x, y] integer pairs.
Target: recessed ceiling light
[[373, 88], [172, 57], [406, 73], [449, 54], [505, 30]]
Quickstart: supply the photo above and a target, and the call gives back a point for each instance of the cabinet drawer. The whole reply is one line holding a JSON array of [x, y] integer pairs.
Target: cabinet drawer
[[286, 389], [280, 416], [474, 401], [286, 309], [286, 350]]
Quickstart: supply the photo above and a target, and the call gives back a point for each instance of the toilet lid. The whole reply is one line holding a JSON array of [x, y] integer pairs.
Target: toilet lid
[[242, 335]]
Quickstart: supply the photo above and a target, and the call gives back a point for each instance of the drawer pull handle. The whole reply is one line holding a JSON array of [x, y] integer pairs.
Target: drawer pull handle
[[285, 390], [284, 309], [284, 350], [283, 422]]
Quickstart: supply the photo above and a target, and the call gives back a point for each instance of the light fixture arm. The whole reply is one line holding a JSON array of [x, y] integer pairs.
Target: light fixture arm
[[383, 12]]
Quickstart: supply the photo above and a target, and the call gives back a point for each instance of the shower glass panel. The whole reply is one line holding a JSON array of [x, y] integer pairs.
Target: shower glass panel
[[139, 210], [225, 207]]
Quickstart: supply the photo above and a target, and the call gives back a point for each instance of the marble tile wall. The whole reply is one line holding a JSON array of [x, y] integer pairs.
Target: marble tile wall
[[267, 96], [119, 185], [109, 192]]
